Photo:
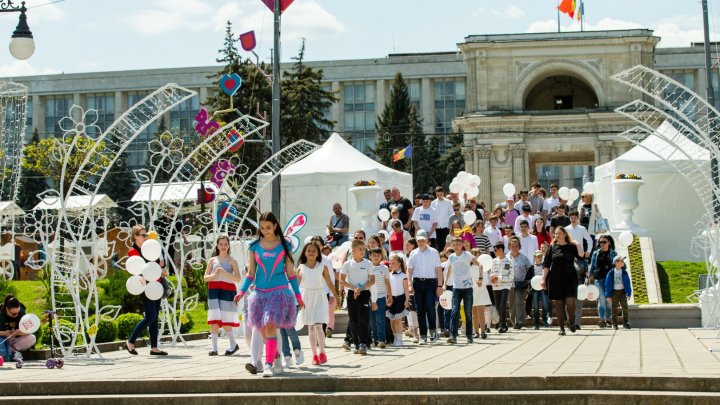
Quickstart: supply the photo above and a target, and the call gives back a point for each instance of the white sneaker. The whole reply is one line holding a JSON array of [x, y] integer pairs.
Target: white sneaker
[[277, 367], [287, 361], [299, 357], [268, 372], [17, 356], [259, 366]]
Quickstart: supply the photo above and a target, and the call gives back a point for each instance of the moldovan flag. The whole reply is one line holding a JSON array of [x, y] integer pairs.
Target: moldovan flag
[[403, 153], [567, 7]]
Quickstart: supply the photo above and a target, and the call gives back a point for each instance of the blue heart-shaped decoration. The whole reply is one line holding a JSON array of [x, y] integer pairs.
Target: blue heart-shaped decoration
[[230, 83]]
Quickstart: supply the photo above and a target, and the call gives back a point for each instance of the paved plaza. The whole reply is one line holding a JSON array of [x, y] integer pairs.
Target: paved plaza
[[591, 351]]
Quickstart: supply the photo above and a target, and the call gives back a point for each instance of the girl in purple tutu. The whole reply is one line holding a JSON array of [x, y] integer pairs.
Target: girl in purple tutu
[[270, 268]]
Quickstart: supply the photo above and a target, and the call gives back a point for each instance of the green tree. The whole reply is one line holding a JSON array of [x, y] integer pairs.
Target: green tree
[[32, 182], [303, 102], [119, 184], [393, 126], [424, 158], [46, 157], [452, 161]]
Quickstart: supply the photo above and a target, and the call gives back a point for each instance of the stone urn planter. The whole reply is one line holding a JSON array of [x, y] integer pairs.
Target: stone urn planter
[[366, 207], [626, 201]]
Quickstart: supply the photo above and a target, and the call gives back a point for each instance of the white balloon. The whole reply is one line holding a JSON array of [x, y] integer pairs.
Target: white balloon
[[469, 217], [474, 181], [564, 193], [472, 192], [135, 285], [589, 187], [509, 189], [135, 265], [574, 194], [463, 176], [582, 292], [455, 186], [625, 239], [486, 261], [592, 293], [151, 272], [151, 250], [446, 300], [384, 214], [154, 290], [29, 323], [535, 283]]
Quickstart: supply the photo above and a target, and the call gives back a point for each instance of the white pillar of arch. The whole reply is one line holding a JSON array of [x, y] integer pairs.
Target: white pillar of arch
[[482, 154], [605, 152], [518, 165]]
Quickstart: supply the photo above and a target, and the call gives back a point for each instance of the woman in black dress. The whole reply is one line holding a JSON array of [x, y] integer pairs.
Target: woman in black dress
[[560, 277]]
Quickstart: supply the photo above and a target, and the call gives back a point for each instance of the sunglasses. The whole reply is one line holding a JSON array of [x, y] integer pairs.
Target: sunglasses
[[603, 242]]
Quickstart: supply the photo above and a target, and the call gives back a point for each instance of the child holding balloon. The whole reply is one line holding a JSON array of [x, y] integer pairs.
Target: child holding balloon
[[15, 338], [151, 307]]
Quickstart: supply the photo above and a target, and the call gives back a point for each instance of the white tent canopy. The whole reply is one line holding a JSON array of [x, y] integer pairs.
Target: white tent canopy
[[669, 205], [176, 192], [9, 208], [323, 178], [77, 203]]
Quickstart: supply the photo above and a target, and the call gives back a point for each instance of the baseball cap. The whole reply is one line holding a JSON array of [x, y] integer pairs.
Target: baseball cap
[[538, 252], [619, 258], [421, 235]]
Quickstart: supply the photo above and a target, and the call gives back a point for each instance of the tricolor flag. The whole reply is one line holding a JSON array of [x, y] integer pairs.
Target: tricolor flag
[[580, 11], [403, 153], [567, 7]]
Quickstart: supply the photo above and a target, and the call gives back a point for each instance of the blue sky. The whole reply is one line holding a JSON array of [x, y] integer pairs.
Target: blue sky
[[104, 35]]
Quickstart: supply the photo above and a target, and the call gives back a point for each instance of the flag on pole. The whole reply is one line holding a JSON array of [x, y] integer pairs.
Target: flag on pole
[[580, 11], [403, 153], [567, 7]]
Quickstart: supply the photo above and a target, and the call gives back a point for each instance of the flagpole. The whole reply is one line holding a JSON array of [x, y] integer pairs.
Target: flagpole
[[582, 15], [558, 16]]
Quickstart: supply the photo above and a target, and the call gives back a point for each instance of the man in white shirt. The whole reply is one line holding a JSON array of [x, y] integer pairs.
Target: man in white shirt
[[425, 279], [522, 201], [443, 211], [550, 203], [578, 233], [492, 231], [425, 217]]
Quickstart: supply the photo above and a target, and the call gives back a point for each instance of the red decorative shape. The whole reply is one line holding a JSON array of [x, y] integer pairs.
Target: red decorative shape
[[248, 41], [284, 4], [230, 84], [235, 139], [205, 196]]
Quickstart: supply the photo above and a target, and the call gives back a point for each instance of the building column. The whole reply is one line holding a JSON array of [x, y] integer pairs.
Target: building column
[[467, 153], [605, 151], [78, 101], [38, 116], [202, 96], [482, 154], [336, 109], [119, 104], [518, 165], [427, 106]]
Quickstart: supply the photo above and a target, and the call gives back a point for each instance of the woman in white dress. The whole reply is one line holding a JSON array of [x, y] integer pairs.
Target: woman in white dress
[[312, 275], [481, 300]]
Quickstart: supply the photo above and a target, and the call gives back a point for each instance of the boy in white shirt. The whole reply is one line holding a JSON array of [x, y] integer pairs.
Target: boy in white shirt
[[380, 300], [492, 231], [357, 276], [459, 273]]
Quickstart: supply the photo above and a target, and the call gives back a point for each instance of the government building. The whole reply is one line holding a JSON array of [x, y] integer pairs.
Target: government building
[[531, 106]]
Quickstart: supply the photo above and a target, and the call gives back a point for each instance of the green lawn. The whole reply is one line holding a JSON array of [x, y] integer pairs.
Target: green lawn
[[678, 280]]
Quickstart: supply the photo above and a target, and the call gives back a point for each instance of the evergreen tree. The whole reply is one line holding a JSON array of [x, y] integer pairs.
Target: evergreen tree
[[393, 126], [119, 184], [452, 161], [303, 102], [32, 182], [424, 159]]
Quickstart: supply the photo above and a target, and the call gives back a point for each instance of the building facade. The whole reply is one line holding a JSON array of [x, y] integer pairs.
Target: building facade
[[531, 106]]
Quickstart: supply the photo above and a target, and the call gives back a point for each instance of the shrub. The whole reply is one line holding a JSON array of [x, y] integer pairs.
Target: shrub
[[126, 323], [112, 291], [107, 331], [6, 288], [45, 334], [187, 326]]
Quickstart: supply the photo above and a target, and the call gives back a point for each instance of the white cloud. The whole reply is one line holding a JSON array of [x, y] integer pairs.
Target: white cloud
[[602, 25], [24, 68], [36, 15], [514, 12], [171, 15]]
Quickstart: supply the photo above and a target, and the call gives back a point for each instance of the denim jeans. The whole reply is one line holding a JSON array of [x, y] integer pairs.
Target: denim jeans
[[501, 298], [466, 295], [425, 304], [150, 321], [538, 296], [446, 316], [292, 334], [377, 320], [603, 307]]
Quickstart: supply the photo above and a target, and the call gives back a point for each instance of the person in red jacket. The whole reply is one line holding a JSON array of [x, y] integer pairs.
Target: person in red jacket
[[150, 307]]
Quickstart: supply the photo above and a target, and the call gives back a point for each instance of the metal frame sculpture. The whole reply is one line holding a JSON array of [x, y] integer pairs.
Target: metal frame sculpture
[[699, 122]]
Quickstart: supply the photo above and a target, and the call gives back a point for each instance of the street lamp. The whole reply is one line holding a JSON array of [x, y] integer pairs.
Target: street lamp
[[22, 45]]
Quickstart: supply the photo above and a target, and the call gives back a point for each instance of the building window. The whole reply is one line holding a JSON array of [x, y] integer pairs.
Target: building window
[[137, 151], [359, 114], [104, 104], [678, 98], [571, 176], [56, 108], [449, 103], [182, 117], [414, 91]]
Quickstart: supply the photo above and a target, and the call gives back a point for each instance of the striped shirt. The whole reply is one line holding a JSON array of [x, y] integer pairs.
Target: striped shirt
[[483, 243], [381, 274]]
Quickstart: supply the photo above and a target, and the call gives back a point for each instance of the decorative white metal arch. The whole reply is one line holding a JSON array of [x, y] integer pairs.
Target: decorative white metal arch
[[695, 120]]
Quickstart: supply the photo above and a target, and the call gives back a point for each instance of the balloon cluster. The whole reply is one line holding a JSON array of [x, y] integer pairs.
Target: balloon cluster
[[625, 239], [465, 183], [569, 194], [145, 276]]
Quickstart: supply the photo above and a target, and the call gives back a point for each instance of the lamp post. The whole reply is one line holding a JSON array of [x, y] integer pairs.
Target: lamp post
[[22, 45]]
